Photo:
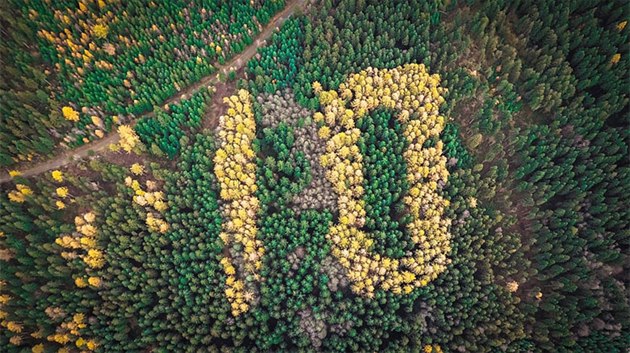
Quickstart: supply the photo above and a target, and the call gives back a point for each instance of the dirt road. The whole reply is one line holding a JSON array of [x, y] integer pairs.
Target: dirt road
[[235, 63]]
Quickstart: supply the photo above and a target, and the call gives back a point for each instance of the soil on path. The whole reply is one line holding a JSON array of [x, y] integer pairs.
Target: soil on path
[[236, 63], [217, 107]]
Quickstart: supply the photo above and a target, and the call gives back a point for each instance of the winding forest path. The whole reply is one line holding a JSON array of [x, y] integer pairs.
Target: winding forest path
[[235, 63]]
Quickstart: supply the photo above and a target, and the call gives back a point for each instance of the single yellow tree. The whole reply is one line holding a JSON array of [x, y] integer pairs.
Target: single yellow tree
[[137, 169], [57, 176], [70, 114], [62, 191], [100, 31], [128, 138]]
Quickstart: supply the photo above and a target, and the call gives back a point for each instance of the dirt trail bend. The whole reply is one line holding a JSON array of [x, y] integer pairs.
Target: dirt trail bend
[[235, 63]]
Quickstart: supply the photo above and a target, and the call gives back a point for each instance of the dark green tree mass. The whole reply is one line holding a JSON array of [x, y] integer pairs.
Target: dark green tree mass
[[135, 252]]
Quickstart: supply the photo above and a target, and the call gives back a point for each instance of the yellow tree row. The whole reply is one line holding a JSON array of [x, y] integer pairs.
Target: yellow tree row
[[416, 96], [150, 199], [80, 244], [235, 170]]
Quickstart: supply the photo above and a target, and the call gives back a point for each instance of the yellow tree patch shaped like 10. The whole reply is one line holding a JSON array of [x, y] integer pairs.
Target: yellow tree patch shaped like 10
[[416, 96]]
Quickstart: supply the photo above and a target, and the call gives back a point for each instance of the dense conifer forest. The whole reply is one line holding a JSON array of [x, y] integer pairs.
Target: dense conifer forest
[[314, 176]]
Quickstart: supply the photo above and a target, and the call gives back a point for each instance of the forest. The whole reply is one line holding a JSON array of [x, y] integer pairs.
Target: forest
[[314, 176]]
